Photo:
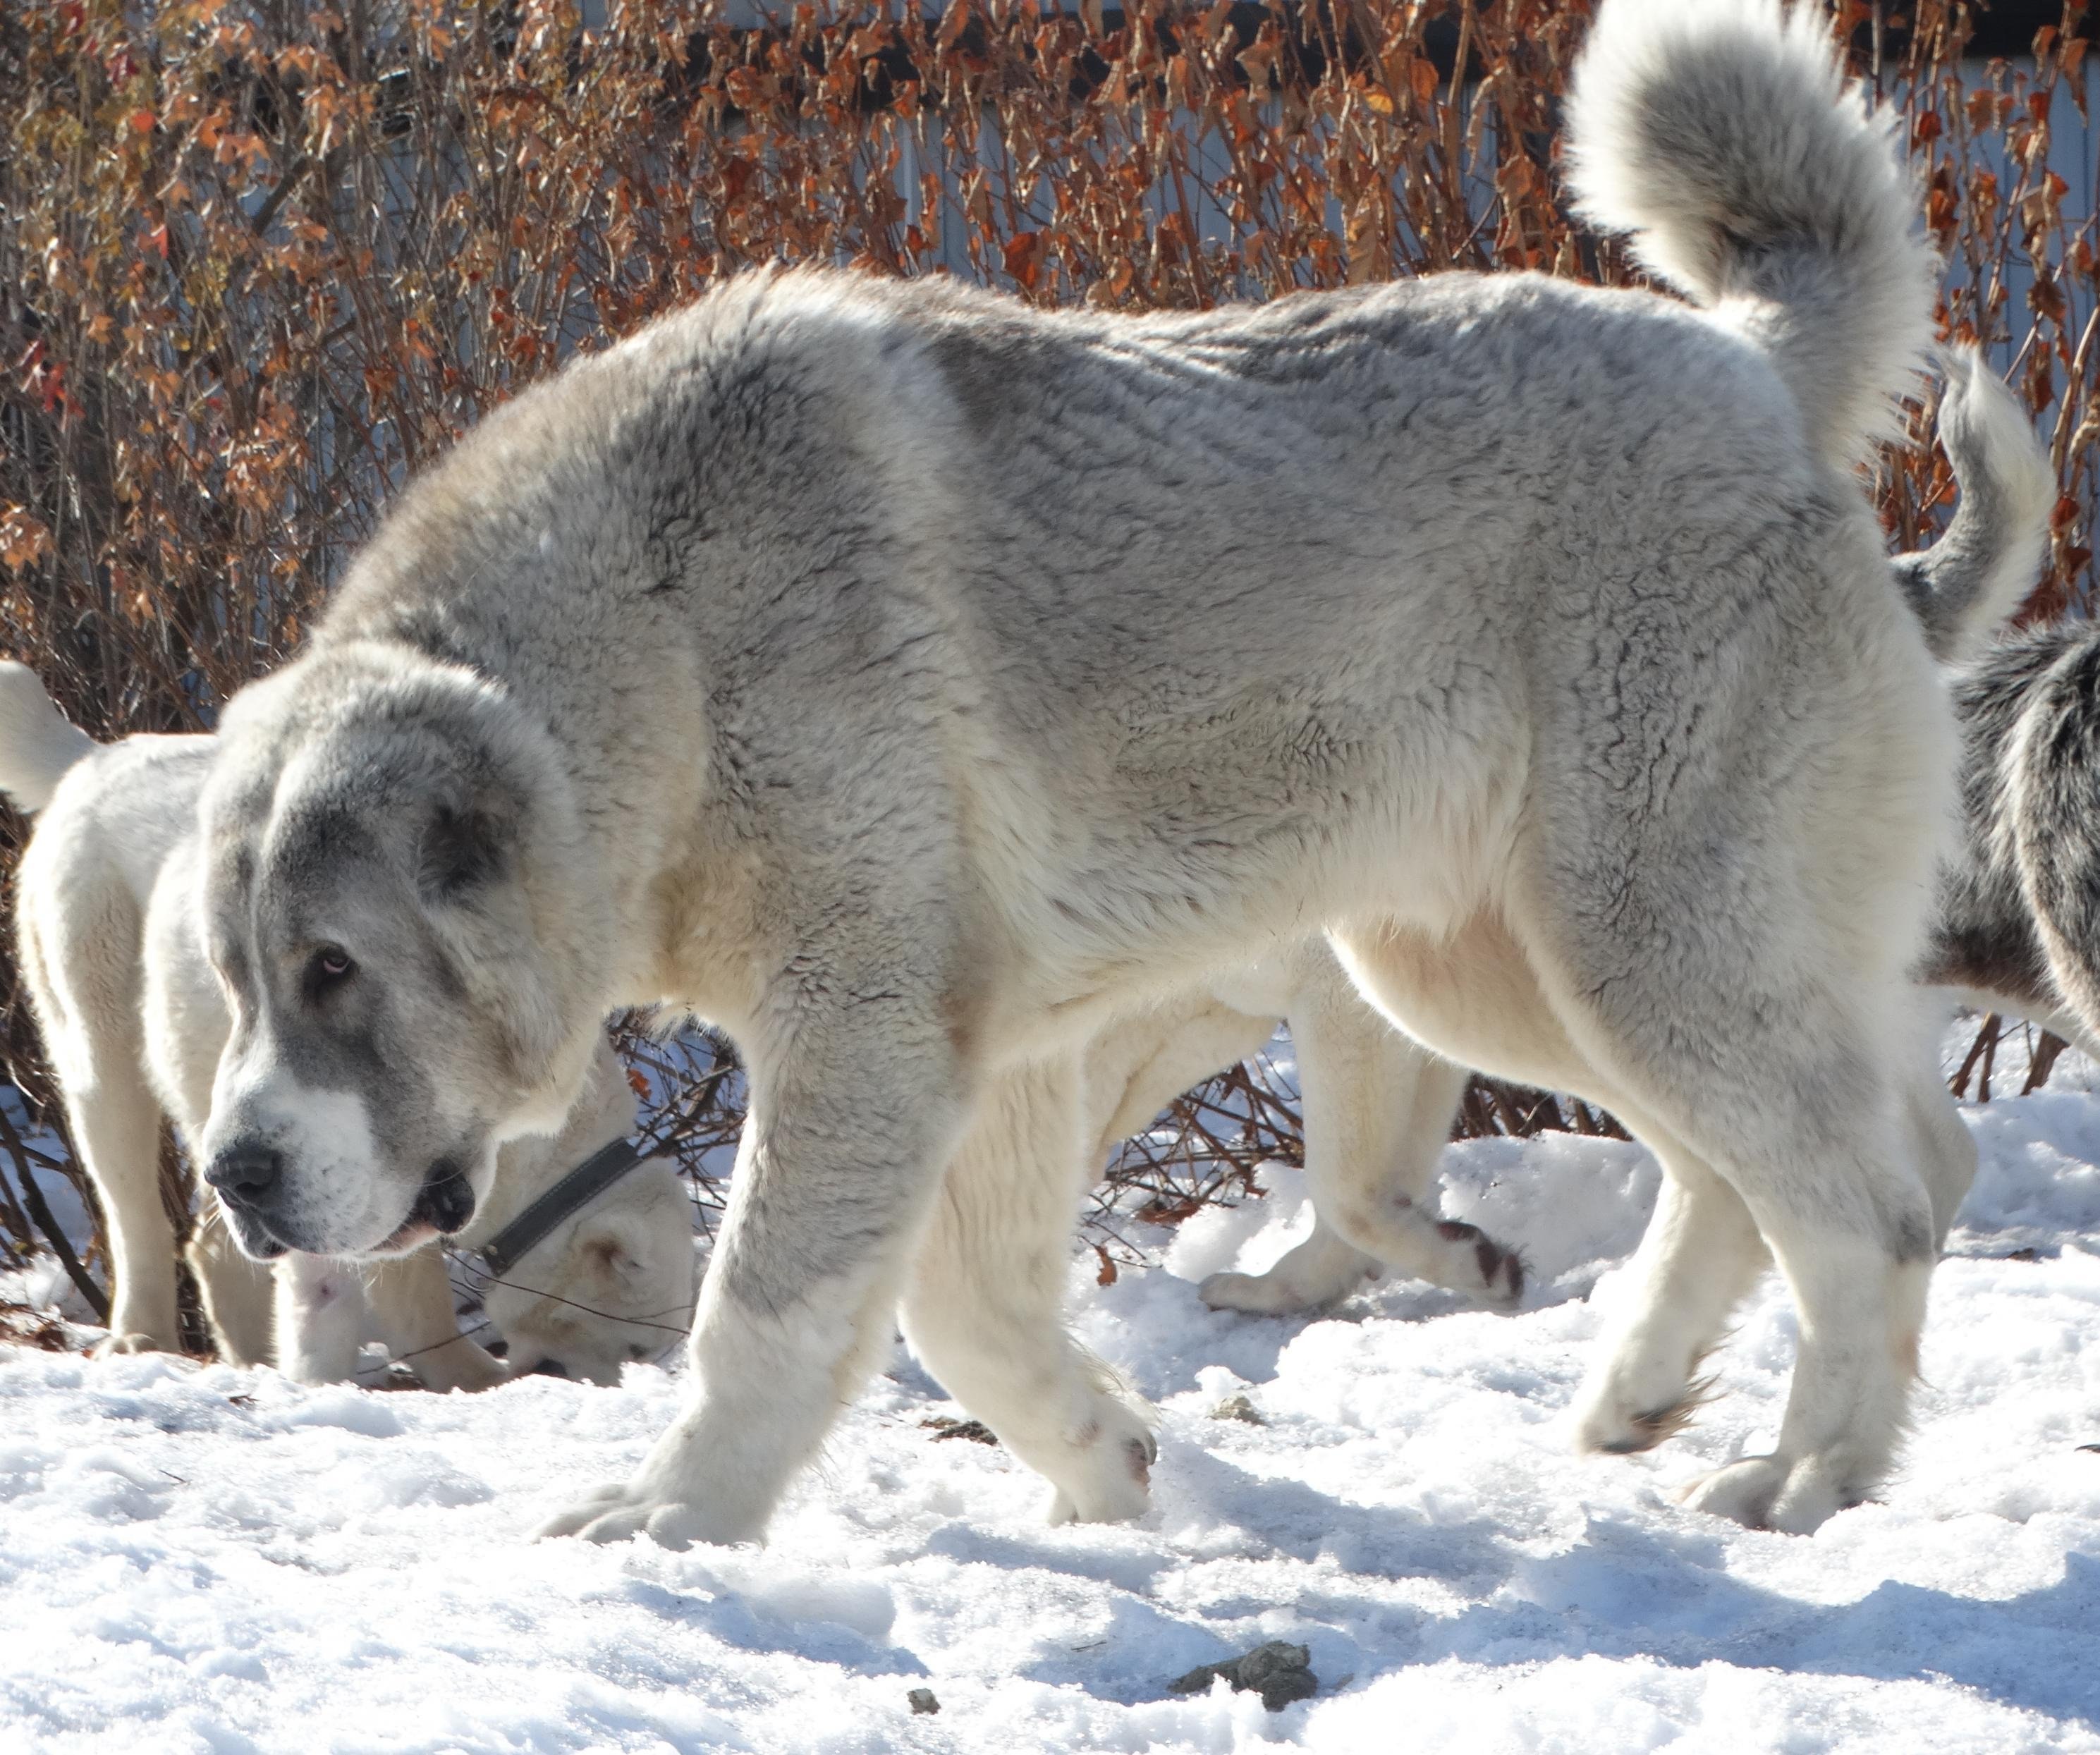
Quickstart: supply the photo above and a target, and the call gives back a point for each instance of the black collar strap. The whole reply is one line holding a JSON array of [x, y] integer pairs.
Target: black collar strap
[[570, 1196]]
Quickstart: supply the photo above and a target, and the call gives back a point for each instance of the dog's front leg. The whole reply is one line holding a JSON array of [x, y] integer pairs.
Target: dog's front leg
[[853, 1112], [322, 1318]]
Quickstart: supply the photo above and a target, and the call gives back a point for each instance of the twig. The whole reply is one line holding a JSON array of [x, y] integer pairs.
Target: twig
[[33, 1198]]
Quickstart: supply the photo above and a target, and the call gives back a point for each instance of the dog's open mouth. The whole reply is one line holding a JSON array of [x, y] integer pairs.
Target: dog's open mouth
[[444, 1206]]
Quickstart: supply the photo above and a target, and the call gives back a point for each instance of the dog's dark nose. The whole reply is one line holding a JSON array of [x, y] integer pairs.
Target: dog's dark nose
[[549, 1367], [244, 1172]]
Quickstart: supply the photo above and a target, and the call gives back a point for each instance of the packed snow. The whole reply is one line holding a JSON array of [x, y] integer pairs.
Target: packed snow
[[196, 1558]]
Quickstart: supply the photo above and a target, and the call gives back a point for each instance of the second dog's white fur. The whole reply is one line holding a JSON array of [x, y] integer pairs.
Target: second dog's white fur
[[984, 1304]]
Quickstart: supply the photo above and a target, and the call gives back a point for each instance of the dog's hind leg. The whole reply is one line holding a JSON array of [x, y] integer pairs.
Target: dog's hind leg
[[1780, 1068], [86, 986], [1476, 993], [1769, 1122], [1137, 1065], [1858, 1265], [1377, 1112], [1698, 1259], [985, 1306], [237, 1291], [1946, 1149]]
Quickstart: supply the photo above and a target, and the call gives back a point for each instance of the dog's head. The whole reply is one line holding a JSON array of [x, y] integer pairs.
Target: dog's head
[[614, 1284], [397, 903]]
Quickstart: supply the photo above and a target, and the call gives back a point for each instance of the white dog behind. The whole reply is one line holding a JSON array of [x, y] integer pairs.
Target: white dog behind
[[984, 1307], [133, 1020], [1377, 1109]]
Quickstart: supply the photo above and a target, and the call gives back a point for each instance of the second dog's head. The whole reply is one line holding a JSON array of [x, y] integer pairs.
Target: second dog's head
[[397, 904], [613, 1284]]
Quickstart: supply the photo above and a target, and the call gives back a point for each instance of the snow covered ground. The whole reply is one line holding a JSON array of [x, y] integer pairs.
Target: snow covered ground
[[200, 1559]]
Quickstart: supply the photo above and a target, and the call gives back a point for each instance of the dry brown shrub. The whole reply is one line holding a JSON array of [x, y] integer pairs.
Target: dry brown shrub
[[259, 262]]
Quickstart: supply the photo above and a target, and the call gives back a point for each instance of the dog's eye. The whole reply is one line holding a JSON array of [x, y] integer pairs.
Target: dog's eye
[[328, 967]]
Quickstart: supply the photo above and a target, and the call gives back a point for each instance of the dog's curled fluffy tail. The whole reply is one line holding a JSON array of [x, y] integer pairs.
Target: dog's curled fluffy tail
[[1723, 136], [37, 743], [1989, 557]]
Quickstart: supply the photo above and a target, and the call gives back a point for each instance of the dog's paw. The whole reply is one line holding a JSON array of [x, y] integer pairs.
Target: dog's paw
[[459, 1365], [115, 1345], [1765, 1493], [1467, 1260], [1255, 1294], [1502, 1283], [1319, 1272], [1638, 1400], [1119, 1489], [617, 1514], [1611, 1430]]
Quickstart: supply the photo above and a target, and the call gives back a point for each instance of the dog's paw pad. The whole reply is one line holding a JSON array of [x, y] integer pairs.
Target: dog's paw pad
[[618, 1514]]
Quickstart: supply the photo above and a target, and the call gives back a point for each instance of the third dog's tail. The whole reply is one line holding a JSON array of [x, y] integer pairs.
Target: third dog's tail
[[37, 743], [1987, 560], [1723, 135]]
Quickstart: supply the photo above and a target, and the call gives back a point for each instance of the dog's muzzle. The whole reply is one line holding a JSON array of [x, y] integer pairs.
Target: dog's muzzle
[[248, 1179]]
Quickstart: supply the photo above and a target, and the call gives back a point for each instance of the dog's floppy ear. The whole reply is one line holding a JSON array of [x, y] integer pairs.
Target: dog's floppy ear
[[463, 847], [471, 871], [613, 1256]]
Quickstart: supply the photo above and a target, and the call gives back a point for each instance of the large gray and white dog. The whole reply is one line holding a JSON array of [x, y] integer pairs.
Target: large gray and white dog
[[914, 682], [112, 956], [2015, 923]]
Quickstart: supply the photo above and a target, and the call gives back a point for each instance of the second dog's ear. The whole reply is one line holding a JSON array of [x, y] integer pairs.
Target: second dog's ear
[[614, 1257], [461, 847]]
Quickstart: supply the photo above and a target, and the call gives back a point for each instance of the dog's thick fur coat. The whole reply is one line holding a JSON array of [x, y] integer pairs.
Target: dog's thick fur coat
[[133, 1020], [914, 682]]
